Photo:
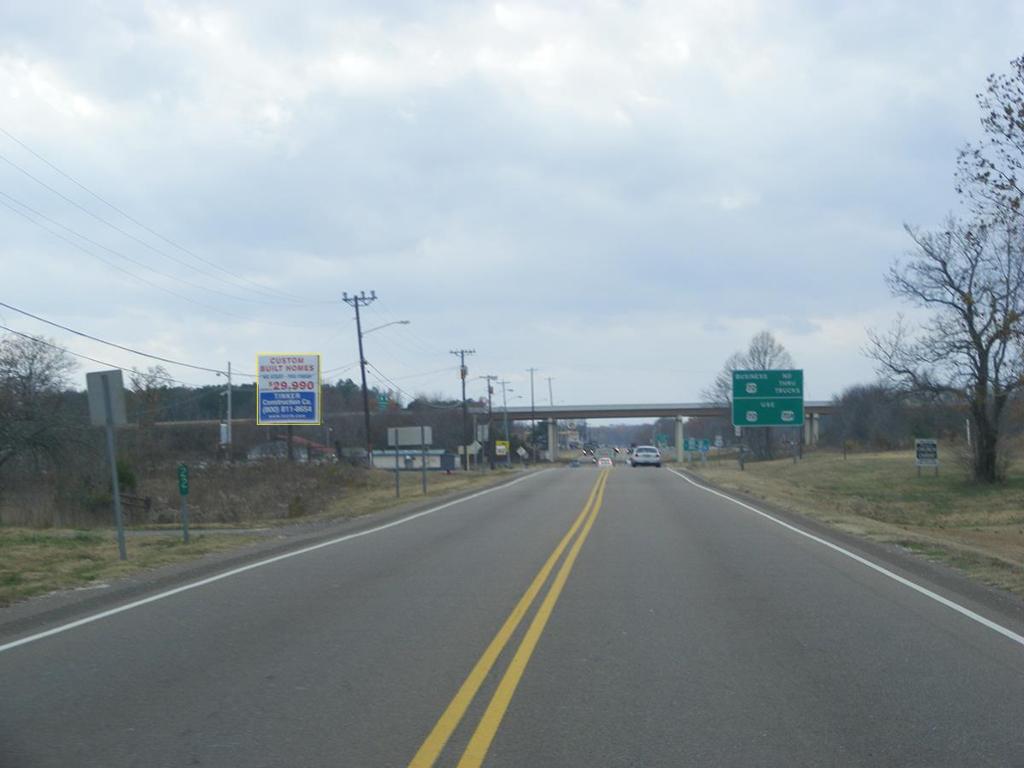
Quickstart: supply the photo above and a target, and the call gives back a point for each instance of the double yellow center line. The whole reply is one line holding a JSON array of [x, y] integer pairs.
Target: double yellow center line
[[486, 729]]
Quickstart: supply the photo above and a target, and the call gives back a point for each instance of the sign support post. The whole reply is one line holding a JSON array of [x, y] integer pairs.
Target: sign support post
[[112, 457], [183, 491], [423, 457], [398, 482]]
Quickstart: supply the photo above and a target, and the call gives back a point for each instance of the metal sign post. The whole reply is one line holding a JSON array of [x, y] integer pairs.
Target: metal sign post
[[106, 409], [423, 457], [183, 492], [398, 474], [399, 437], [122, 550]]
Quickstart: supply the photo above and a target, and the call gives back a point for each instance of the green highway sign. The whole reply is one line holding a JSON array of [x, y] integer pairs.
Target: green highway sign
[[695, 444], [382, 401], [183, 479], [768, 398]]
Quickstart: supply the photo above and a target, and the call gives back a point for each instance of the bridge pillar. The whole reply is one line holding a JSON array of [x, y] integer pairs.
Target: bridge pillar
[[679, 439], [552, 439], [815, 427]]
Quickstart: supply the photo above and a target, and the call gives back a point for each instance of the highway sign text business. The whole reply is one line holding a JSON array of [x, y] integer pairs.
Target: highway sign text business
[[768, 398]]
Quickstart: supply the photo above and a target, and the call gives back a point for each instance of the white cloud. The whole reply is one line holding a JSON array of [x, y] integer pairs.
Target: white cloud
[[535, 179]]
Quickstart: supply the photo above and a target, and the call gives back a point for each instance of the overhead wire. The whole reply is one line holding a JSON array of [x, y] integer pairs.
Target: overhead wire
[[114, 266], [119, 254], [94, 359], [405, 333], [133, 371], [255, 286], [401, 391], [139, 278], [131, 350]]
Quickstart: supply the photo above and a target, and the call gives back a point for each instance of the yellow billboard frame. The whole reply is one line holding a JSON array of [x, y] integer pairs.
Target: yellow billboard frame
[[319, 391]]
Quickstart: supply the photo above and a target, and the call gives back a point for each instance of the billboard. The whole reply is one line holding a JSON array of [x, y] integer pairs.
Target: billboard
[[288, 389]]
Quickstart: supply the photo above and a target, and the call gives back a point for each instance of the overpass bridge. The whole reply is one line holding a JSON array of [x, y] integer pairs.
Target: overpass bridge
[[813, 411]]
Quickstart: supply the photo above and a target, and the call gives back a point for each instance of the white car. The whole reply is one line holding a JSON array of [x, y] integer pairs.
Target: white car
[[645, 456]]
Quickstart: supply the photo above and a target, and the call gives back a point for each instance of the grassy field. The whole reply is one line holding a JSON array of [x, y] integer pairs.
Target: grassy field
[[879, 495], [37, 561]]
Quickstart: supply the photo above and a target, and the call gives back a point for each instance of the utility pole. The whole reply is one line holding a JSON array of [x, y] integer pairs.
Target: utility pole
[[225, 434], [533, 418], [229, 410], [463, 371], [504, 405], [363, 300], [490, 438], [551, 402]]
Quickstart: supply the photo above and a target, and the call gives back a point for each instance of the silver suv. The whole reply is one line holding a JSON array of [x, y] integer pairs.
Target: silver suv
[[645, 456]]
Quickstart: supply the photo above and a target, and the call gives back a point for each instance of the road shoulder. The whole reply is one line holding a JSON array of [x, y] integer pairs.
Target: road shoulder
[[999, 604], [69, 604]]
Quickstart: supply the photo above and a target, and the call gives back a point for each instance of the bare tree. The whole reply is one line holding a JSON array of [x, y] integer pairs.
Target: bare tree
[[970, 281], [764, 353], [720, 391], [148, 388], [33, 421], [989, 172]]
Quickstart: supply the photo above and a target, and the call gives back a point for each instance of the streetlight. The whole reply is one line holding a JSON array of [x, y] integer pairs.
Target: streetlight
[[393, 322]]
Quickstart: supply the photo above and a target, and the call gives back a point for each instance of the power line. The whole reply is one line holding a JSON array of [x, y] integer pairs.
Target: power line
[[139, 278], [385, 380], [426, 373], [118, 253], [463, 371], [340, 368], [85, 335], [384, 310], [112, 265], [93, 359], [256, 286]]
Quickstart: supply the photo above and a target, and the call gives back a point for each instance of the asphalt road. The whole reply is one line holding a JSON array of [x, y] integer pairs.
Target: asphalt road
[[575, 618]]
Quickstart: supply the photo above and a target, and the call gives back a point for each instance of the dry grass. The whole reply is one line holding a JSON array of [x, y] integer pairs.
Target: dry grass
[[35, 562], [879, 495]]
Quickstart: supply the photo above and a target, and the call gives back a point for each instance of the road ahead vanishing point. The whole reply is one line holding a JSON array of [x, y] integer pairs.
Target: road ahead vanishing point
[[622, 617]]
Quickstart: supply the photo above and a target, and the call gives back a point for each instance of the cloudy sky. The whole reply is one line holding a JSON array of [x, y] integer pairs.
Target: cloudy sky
[[619, 194]]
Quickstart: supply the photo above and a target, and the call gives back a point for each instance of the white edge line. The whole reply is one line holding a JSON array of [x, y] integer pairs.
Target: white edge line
[[1009, 633], [258, 564]]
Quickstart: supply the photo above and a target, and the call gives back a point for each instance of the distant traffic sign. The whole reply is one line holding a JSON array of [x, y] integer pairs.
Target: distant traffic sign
[[768, 398], [926, 452], [183, 479], [405, 436], [501, 447]]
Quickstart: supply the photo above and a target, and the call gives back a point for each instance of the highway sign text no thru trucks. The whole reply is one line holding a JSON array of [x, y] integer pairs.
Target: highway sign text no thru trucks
[[768, 398]]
